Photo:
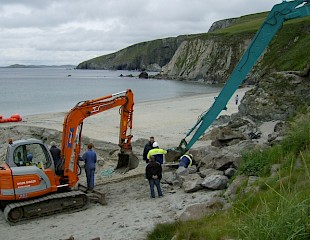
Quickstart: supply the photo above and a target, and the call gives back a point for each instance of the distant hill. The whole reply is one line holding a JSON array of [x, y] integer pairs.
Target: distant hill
[[39, 66], [150, 55], [211, 57]]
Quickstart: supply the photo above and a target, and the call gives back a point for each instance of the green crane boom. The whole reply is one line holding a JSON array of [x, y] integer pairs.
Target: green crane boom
[[278, 15]]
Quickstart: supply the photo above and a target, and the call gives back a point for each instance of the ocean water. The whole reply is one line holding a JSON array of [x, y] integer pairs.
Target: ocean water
[[30, 91]]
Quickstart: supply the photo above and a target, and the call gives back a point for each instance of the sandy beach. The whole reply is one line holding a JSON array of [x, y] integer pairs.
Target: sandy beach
[[167, 120], [129, 213]]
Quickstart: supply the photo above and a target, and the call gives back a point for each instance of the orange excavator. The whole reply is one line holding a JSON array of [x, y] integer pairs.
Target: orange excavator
[[30, 183]]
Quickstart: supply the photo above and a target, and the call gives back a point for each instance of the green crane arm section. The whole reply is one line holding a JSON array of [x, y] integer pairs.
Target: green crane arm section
[[280, 12]]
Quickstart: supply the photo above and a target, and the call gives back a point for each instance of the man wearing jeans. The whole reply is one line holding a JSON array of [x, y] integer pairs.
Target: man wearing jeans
[[153, 172], [90, 158]]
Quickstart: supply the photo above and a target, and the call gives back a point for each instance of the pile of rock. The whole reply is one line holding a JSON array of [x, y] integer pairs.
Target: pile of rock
[[218, 163]]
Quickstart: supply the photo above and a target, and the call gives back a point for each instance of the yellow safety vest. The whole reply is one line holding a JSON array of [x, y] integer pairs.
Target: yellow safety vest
[[155, 151]]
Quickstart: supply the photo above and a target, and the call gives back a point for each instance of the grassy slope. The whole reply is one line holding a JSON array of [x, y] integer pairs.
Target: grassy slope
[[291, 42]]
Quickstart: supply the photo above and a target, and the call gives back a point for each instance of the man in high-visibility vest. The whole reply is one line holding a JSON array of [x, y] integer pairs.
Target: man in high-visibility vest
[[158, 153], [185, 161]]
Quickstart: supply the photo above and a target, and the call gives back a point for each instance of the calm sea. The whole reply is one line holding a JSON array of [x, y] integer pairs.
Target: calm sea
[[44, 90]]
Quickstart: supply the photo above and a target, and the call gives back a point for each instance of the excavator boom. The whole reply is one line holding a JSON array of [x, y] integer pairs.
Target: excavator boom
[[73, 124], [280, 13]]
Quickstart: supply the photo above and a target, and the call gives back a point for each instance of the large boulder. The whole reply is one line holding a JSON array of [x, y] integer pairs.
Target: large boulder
[[219, 159], [230, 172], [144, 75], [192, 183], [199, 153], [200, 210], [209, 172], [215, 182]]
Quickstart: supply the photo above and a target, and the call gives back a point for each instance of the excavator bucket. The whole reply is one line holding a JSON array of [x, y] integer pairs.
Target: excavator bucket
[[127, 161], [173, 155]]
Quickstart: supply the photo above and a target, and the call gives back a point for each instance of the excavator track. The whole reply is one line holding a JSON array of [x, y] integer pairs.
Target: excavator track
[[44, 206]]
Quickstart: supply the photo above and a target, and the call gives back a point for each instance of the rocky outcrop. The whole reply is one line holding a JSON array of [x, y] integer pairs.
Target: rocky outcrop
[[222, 24], [150, 56], [217, 166], [198, 59], [277, 96], [212, 57], [144, 75]]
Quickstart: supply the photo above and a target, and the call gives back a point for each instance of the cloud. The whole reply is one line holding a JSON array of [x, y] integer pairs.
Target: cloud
[[69, 32]]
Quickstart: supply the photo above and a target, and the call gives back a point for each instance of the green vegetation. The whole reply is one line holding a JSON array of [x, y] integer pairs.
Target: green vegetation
[[248, 23], [277, 207], [290, 44]]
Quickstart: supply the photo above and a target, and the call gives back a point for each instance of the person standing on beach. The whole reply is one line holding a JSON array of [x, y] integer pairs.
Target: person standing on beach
[[237, 99], [158, 153], [147, 148], [90, 159], [55, 151], [153, 173]]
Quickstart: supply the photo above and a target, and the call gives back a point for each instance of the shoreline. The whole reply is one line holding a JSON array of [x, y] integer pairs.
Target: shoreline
[[168, 120], [129, 213], [97, 82]]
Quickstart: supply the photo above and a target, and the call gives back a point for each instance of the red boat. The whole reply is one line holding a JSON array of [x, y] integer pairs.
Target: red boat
[[14, 118]]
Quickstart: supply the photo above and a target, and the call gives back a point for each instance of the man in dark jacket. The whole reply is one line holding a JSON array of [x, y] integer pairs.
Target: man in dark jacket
[[90, 158], [55, 151], [147, 148], [153, 173]]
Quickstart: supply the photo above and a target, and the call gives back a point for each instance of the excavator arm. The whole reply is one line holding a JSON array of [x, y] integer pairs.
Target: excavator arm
[[278, 15], [73, 124]]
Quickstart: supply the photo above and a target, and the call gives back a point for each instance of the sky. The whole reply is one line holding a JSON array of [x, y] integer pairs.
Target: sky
[[58, 32]]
